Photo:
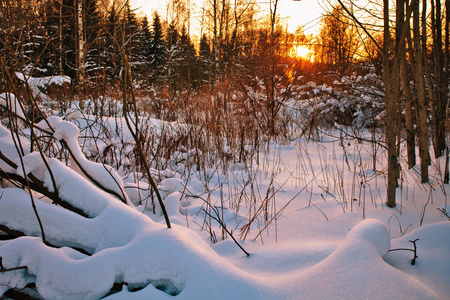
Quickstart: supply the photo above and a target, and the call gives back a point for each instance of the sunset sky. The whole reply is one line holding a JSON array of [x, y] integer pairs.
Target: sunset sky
[[304, 12]]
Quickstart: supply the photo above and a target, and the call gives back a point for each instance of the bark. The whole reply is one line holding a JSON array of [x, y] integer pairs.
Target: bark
[[391, 138], [441, 90], [272, 112], [391, 78], [391, 86], [80, 43], [36, 185], [447, 75], [215, 44], [426, 68], [407, 97], [60, 46], [409, 115], [422, 116]]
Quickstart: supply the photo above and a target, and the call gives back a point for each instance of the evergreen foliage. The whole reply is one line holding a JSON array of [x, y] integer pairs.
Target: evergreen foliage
[[157, 52], [205, 61]]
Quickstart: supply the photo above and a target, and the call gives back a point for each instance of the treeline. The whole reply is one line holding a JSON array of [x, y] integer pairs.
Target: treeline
[[86, 40]]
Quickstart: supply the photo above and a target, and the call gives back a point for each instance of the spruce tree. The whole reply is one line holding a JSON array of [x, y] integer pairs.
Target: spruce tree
[[184, 63], [112, 57], [131, 45], [205, 61], [94, 40], [157, 52], [141, 62]]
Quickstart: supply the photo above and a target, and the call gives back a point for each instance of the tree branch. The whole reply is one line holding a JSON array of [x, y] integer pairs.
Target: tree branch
[[3, 269], [92, 179], [36, 185]]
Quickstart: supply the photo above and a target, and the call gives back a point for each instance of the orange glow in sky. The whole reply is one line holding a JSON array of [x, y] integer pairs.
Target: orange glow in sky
[[295, 13], [305, 13]]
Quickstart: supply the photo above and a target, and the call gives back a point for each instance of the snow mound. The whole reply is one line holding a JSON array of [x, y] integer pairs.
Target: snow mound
[[170, 185], [104, 175], [356, 270], [433, 263], [371, 232]]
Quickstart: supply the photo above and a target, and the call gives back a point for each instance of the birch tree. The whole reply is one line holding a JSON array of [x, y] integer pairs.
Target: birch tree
[[80, 62]]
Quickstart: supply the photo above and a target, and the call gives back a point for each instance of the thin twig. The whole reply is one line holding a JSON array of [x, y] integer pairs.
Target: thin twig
[[413, 260], [3, 269]]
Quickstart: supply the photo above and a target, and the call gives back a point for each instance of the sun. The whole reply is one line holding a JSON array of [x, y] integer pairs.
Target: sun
[[302, 52]]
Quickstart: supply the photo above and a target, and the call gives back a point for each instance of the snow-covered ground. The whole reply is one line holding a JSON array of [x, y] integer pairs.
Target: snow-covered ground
[[310, 214]]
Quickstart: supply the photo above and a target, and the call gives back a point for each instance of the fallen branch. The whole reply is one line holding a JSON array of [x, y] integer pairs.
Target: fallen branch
[[413, 260], [36, 185], [11, 232], [3, 269]]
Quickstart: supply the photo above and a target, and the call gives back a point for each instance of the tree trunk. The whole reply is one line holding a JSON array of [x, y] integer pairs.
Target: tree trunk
[[215, 45], [391, 96], [80, 43], [409, 115], [441, 90], [407, 97], [391, 83], [447, 76], [60, 33], [422, 115], [428, 75]]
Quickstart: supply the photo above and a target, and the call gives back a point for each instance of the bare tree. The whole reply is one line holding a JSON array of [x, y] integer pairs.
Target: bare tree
[[440, 97], [407, 99], [338, 40], [422, 124], [392, 52]]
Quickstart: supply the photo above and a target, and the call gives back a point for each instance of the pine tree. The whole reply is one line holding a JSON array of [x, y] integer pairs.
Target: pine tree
[[94, 40], [185, 64], [157, 52], [68, 34], [172, 36], [51, 55], [172, 49], [131, 45], [205, 61], [111, 54], [141, 62]]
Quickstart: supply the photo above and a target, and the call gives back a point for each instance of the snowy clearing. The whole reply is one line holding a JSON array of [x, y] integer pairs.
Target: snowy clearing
[[311, 215]]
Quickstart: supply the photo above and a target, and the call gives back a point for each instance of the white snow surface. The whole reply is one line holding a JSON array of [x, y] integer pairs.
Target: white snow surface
[[38, 83], [11, 102], [105, 175], [319, 247]]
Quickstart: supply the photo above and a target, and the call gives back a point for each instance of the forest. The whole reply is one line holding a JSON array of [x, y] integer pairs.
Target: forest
[[206, 150]]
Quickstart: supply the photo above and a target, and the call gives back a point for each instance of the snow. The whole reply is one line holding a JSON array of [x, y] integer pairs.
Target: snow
[[11, 102], [8, 148], [105, 175], [37, 83], [328, 238]]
